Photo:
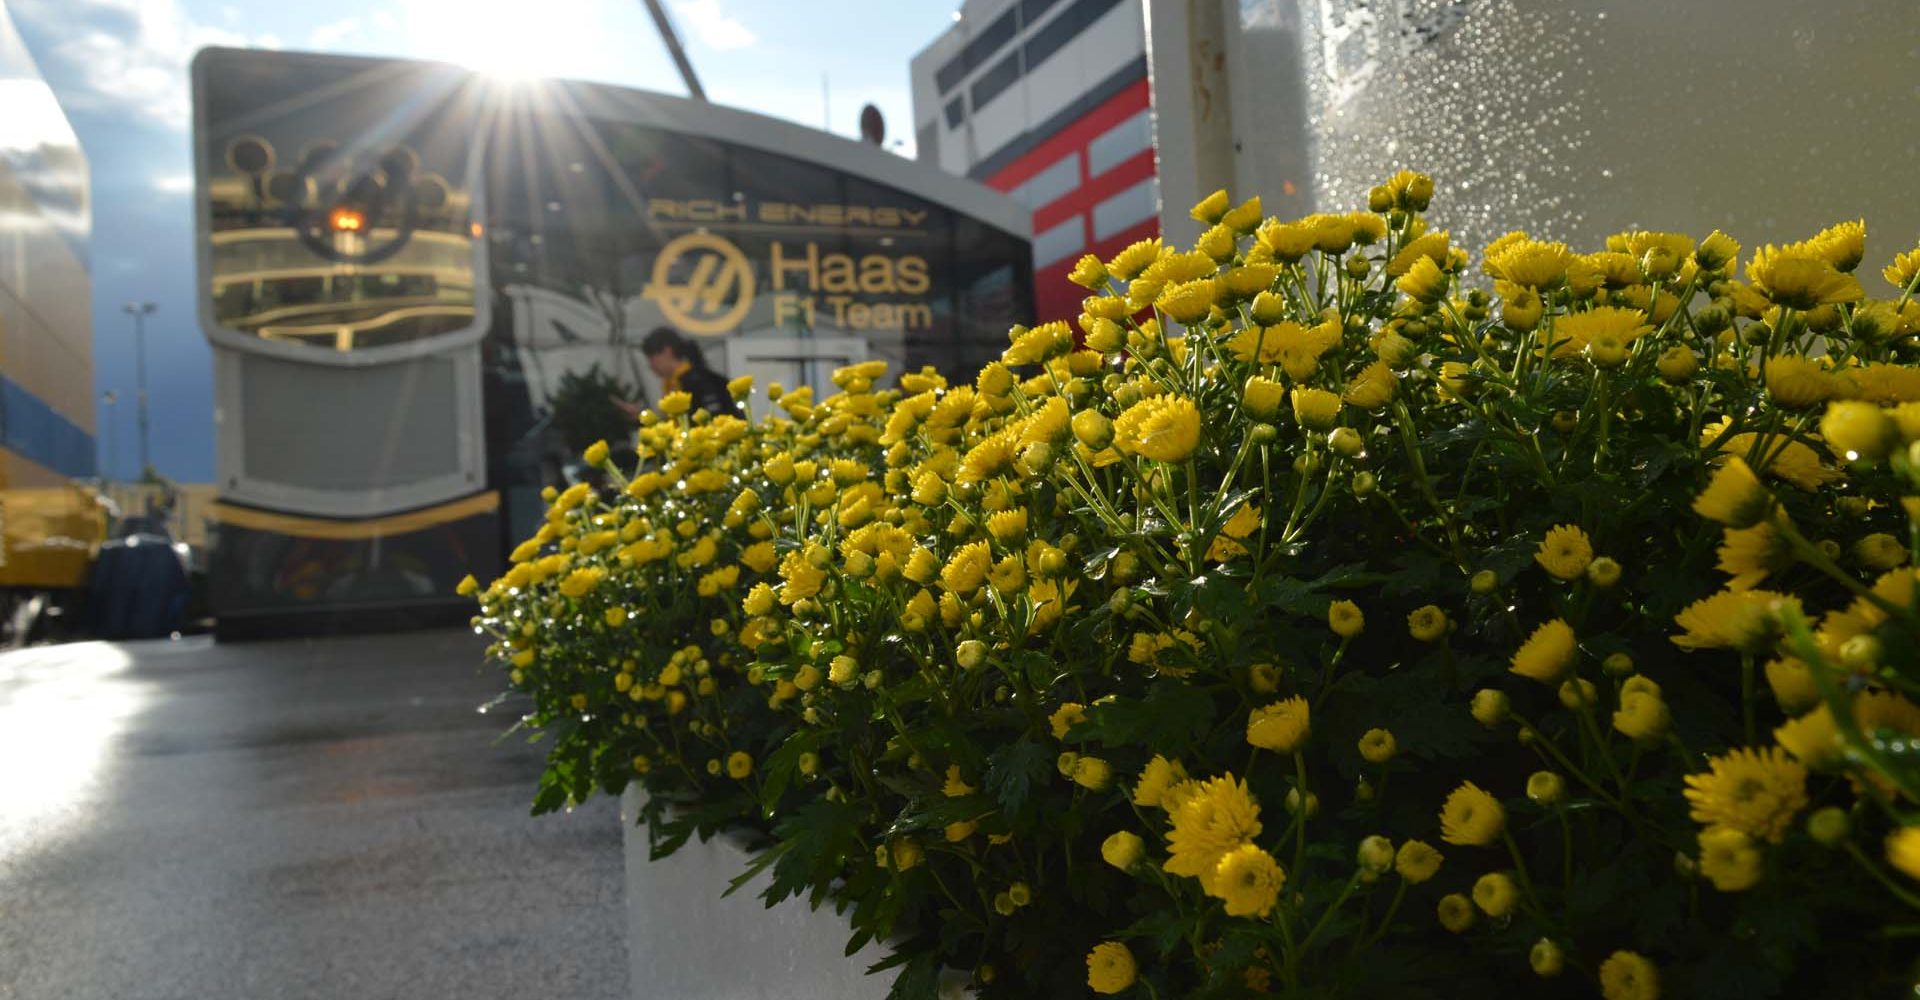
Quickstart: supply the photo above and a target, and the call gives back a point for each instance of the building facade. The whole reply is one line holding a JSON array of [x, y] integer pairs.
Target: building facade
[[1047, 100], [48, 525]]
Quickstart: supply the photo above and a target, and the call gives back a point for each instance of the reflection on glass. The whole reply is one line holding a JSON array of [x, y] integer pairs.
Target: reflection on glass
[[331, 227]]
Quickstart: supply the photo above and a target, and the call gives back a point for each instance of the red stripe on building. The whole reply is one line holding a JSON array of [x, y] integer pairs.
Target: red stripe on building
[[1054, 296], [1093, 191], [1074, 137]]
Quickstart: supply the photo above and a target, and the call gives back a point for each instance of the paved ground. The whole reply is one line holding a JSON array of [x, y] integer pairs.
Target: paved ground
[[331, 818]]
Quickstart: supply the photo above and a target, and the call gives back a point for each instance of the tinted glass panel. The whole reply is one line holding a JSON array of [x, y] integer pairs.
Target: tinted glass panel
[[1064, 28], [338, 205], [996, 80], [1031, 10]]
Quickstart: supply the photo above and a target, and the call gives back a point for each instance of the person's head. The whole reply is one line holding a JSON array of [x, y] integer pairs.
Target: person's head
[[666, 350]]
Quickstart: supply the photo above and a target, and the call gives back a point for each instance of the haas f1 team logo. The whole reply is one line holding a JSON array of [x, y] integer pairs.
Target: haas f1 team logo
[[703, 283]]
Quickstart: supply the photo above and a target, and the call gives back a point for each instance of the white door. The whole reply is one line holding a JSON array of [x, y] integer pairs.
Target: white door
[[792, 362]]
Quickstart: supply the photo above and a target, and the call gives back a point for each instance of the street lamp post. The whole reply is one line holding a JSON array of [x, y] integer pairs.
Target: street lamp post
[[140, 311], [109, 398]]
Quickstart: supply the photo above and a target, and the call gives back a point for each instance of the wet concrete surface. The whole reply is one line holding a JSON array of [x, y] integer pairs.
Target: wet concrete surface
[[307, 818]]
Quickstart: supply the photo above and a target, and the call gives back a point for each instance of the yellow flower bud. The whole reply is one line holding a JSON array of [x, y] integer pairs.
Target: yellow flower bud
[[1546, 788], [1546, 958], [1857, 430], [1490, 707], [1123, 850], [1375, 855], [1345, 618], [1089, 273]]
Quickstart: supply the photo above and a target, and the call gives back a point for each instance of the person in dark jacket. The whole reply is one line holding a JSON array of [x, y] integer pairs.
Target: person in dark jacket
[[682, 368]]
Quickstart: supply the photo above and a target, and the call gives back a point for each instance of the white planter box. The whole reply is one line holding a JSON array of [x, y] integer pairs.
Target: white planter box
[[685, 942]]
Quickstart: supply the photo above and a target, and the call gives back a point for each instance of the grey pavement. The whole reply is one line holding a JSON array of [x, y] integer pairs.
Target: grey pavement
[[305, 818]]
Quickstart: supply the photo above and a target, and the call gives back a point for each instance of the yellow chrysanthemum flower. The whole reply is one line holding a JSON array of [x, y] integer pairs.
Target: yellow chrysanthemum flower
[[1110, 968], [1800, 279], [580, 582], [1287, 242], [1377, 746], [1547, 653], [1248, 880], [1064, 718], [1731, 619], [1471, 817], [1262, 397], [1262, 344], [1282, 726], [1008, 525], [1734, 496], [1417, 861], [1188, 302], [1345, 619], [1373, 388], [1433, 246], [1219, 816], [1092, 773], [1424, 281], [1627, 975], [1316, 409], [1814, 738], [1755, 791], [967, 569], [1716, 251], [1164, 428], [1428, 623], [674, 404], [1576, 332], [1842, 244], [1903, 851], [1128, 263], [1244, 522], [1156, 779], [1533, 263], [1904, 269], [1456, 912], [1798, 383], [1786, 458], [1008, 575], [1565, 552], [1089, 273], [1750, 555], [1642, 715], [1495, 894]]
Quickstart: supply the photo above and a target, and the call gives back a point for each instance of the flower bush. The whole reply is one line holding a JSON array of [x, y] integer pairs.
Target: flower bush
[[1309, 621]]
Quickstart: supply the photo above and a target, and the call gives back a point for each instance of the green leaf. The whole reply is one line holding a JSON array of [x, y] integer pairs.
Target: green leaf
[[920, 980], [778, 770], [1013, 770], [1171, 719]]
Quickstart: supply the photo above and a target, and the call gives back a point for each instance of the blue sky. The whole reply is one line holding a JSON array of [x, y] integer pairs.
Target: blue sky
[[120, 69]]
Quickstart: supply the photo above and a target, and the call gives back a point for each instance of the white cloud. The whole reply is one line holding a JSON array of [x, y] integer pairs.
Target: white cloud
[[174, 184], [332, 33], [715, 28], [128, 56]]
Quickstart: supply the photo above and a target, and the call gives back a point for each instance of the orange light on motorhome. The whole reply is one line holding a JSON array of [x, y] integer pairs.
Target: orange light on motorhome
[[346, 220]]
